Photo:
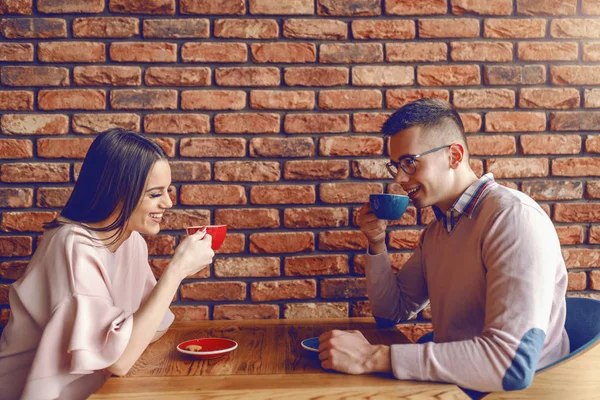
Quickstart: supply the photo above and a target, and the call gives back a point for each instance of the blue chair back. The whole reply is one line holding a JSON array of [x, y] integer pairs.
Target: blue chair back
[[582, 323]]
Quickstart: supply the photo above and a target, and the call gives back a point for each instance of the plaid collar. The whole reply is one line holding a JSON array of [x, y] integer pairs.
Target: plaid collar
[[466, 203]]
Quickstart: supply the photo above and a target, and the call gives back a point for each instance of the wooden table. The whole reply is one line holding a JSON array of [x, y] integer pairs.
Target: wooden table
[[268, 364]]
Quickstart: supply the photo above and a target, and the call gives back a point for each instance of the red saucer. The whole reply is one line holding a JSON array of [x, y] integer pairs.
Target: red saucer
[[211, 347]]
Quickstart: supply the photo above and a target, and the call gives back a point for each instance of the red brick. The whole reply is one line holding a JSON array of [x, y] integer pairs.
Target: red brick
[[15, 148], [383, 76], [16, 7], [284, 53], [577, 212], [501, 28], [484, 98], [247, 171], [15, 246], [160, 244], [553, 189], [491, 145], [168, 76], [176, 123], [248, 76], [575, 28], [315, 310], [342, 240], [315, 217], [34, 124], [481, 51], [471, 122], [53, 197], [343, 288], [25, 221], [283, 194], [12, 270], [416, 52], [34, 28], [482, 7], [547, 51], [404, 239], [355, 192], [370, 169], [591, 51], [72, 99], [176, 28], [278, 147], [568, 235], [283, 290], [107, 75], [232, 28], [316, 170], [106, 27], [350, 146], [16, 197], [190, 313], [449, 28], [581, 258], [359, 8], [58, 52], [213, 100], [349, 99], [212, 147], [282, 99], [212, 195], [70, 6], [594, 280], [143, 52], [38, 172], [213, 291], [580, 166], [546, 7], [333, 53], [510, 121], [592, 144], [214, 52], [142, 6], [591, 98], [242, 267], [63, 148], [177, 219], [383, 29], [35, 76], [96, 123], [315, 29], [247, 123], [248, 218], [316, 265], [16, 52], [361, 309], [211, 7], [282, 242], [594, 235], [550, 144], [515, 75], [246, 311], [590, 7], [448, 75], [574, 121], [507, 168], [16, 100], [143, 99], [316, 76], [316, 123], [190, 171], [370, 122], [575, 75], [410, 7], [397, 98], [277, 7]]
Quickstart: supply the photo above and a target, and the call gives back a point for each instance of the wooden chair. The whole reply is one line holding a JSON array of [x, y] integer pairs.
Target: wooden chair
[[577, 375]]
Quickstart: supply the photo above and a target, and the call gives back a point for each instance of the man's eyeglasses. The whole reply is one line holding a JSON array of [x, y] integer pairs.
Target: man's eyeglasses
[[408, 162]]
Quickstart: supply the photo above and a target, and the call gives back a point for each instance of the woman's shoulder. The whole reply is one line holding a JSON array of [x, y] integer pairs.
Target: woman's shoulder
[[68, 235]]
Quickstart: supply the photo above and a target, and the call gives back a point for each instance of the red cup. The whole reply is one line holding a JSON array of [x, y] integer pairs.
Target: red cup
[[216, 231]]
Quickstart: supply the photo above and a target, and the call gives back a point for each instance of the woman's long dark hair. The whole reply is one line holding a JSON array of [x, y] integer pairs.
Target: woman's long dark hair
[[113, 176]]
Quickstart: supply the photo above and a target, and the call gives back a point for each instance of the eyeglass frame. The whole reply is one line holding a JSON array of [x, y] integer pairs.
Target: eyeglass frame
[[397, 164]]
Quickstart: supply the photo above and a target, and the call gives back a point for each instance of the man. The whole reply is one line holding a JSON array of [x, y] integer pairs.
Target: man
[[490, 263]]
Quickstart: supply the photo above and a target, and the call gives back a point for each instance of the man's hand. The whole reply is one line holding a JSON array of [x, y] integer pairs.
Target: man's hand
[[373, 228], [349, 352]]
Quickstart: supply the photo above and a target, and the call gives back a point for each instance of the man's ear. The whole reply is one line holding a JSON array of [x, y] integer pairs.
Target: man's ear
[[457, 155]]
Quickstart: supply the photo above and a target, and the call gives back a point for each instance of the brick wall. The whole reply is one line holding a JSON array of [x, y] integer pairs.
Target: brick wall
[[270, 111]]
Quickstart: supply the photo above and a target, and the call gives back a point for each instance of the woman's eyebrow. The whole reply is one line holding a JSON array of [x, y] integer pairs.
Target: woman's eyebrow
[[155, 188]]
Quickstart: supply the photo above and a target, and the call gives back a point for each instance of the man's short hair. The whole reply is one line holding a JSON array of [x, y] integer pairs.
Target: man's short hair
[[440, 123]]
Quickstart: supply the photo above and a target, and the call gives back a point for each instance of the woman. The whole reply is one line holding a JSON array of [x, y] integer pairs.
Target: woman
[[88, 304]]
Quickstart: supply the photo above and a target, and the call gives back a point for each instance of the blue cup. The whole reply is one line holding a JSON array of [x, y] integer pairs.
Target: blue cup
[[388, 206]]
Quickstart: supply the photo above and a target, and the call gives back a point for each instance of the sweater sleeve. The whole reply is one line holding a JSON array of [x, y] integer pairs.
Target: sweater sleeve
[[521, 254], [400, 296]]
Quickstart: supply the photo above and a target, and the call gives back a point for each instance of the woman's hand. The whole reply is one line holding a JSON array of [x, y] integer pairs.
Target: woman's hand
[[373, 228], [193, 254]]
